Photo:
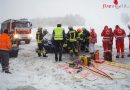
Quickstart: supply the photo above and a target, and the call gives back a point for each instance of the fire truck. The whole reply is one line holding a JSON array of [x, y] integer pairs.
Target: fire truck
[[19, 30]]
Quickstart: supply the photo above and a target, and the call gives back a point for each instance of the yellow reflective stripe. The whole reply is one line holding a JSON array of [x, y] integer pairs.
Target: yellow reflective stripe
[[38, 41], [72, 39]]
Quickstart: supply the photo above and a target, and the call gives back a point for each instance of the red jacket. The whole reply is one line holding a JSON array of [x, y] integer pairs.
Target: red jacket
[[5, 43], [107, 35], [119, 33], [93, 37]]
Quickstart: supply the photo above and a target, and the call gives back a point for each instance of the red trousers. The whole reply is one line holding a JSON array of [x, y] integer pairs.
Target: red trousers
[[107, 45], [120, 46]]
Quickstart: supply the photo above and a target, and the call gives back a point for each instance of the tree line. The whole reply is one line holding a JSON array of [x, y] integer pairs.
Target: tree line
[[73, 20]]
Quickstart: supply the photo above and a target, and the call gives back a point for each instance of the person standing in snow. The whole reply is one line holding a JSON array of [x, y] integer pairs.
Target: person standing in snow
[[72, 40], [5, 48], [129, 40], [107, 35], [119, 34], [86, 36], [40, 43], [58, 38], [92, 41], [79, 38]]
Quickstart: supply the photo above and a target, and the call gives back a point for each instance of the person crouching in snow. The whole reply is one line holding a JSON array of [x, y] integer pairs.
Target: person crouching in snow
[[119, 35], [92, 41], [129, 40], [107, 35]]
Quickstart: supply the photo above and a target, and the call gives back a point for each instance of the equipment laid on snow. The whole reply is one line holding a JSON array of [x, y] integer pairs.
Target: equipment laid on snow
[[19, 30], [118, 65]]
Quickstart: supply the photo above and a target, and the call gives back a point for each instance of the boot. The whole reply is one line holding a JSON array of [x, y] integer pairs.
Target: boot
[[92, 56], [45, 55], [3, 70], [128, 55], [8, 72], [39, 54], [122, 56], [117, 56]]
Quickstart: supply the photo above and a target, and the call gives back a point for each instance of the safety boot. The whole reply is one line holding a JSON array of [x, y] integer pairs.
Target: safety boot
[[8, 72], [117, 56], [128, 55], [122, 56]]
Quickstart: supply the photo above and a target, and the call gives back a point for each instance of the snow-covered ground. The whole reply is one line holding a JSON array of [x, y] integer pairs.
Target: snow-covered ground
[[42, 73]]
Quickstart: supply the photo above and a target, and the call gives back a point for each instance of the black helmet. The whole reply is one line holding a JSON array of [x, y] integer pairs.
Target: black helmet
[[84, 29], [70, 27], [39, 28], [58, 25]]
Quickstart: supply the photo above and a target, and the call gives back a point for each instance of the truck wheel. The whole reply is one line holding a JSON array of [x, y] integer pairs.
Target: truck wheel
[[27, 42]]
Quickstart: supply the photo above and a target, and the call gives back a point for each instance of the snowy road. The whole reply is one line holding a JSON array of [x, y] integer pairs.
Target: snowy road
[[42, 73]]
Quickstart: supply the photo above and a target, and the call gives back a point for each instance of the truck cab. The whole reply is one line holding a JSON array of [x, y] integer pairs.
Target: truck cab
[[19, 30]]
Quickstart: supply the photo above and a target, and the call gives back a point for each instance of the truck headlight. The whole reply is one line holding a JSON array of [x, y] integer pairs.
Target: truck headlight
[[15, 36], [30, 35]]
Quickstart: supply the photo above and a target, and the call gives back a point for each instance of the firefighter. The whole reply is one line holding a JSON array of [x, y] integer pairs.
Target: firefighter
[[107, 35], [92, 41], [5, 48], [86, 36], [40, 43], [72, 40], [119, 35], [79, 38], [58, 38], [129, 40]]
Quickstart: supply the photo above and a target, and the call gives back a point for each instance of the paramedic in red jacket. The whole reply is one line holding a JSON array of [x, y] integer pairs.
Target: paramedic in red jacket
[[119, 35], [107, 35]]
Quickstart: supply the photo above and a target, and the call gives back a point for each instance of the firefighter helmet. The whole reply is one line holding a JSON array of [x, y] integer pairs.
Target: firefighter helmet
[[39, 28], [70, 28]]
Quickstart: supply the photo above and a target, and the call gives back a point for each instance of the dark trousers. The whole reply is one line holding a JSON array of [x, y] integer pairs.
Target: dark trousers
[[58, 50], [4, 56], [73, 48], [85, 45], [41, 49]]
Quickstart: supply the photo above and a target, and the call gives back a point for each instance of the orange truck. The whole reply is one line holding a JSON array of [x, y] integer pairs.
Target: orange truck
[[19, 30]]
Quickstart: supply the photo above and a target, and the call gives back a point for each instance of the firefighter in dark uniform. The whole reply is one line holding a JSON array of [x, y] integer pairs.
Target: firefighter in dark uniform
[[40, 43], [72, 39], [86, 36], [58, 38]]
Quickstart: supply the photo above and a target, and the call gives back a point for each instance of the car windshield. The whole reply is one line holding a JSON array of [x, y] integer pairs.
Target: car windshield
[[23, 25]]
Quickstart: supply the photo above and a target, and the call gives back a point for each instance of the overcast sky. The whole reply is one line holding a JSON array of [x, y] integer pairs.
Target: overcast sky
[[91, 10]]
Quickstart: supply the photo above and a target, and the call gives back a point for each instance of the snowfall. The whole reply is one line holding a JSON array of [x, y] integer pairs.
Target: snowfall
[[30, 72]]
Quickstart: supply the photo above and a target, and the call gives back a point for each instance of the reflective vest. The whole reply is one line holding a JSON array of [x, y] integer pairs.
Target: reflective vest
[[38, 37], [5, 42], [79, 34], [72, 38], [58, 33]]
